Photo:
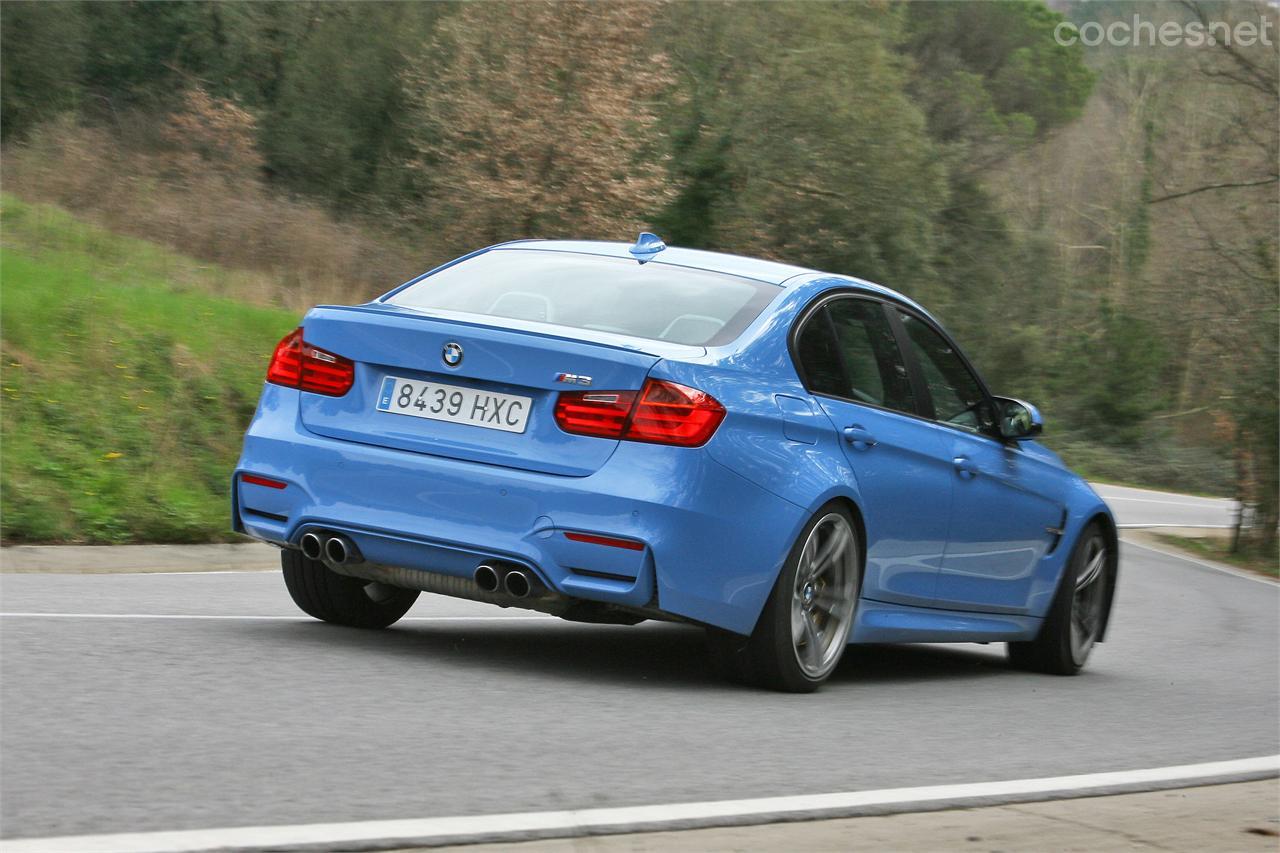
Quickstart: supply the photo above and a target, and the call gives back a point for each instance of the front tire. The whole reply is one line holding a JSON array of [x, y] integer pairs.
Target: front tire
[[804, 628], [342, 600], [1078, 613]]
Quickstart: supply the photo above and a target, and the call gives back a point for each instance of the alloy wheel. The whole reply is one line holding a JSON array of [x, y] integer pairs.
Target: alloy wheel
[[824, 595], [1089, 600]]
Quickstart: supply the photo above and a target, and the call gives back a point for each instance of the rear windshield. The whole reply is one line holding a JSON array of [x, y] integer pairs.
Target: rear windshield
[[655, 301]]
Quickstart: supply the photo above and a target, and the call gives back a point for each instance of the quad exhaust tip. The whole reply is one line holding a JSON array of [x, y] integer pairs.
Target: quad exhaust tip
[[311, 546], [331, 548], [339, 550], [487, 578], [517, 584]]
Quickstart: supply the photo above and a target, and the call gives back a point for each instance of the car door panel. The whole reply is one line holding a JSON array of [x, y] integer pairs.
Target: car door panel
[[1002, 525], [856, 368], [1004, 516], [905, 498]]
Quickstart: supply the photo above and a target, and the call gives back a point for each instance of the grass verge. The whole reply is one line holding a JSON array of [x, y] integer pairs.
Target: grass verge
[[1216, 548], [126, 385]]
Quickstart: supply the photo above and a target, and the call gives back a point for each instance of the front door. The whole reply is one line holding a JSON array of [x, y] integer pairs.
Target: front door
[[1003, 520]]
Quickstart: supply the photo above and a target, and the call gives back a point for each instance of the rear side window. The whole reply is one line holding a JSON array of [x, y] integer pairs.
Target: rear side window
[[654, 300], [819, 357], [847, 349]]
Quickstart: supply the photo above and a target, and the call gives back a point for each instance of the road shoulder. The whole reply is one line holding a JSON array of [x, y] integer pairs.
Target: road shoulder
[[1242, 816], [1150, 541], [113, 559]]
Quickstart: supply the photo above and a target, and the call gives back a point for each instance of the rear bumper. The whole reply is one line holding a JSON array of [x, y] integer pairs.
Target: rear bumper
[[713, 542]]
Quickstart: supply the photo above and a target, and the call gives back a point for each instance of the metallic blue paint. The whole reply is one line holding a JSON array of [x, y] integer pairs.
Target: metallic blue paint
[[954, 550]]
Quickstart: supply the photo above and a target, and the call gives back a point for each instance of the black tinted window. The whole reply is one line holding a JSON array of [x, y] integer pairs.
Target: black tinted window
[[819, 356], [848, 350], [957, 397]]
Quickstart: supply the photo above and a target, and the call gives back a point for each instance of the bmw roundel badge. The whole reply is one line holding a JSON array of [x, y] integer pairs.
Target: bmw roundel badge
[[452, 354]]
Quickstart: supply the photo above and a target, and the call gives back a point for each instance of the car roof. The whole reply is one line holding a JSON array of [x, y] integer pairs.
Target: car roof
[[771, 272]]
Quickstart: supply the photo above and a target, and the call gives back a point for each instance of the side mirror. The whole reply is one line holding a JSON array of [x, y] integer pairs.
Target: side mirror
[[1018, 420]]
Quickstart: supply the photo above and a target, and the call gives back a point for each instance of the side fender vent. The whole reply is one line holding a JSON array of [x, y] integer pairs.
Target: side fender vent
[[1056, 533]]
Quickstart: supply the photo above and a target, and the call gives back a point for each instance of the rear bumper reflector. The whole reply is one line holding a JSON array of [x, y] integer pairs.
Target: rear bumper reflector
[[255, 480], [628, 544]]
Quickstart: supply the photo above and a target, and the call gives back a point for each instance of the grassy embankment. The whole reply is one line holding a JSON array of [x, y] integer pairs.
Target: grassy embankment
[[128, 380], [1216, 548], [126, 383]]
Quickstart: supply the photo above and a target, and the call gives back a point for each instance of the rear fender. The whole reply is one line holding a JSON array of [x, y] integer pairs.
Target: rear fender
[[806, 468]]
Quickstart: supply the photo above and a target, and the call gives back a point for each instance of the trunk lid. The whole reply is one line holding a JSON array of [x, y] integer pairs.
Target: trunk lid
[[520, 359]]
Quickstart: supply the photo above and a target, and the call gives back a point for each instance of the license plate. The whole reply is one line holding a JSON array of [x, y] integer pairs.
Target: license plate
[[454, 404]]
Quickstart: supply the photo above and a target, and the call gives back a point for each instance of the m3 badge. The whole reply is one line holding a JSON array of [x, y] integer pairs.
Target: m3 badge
[[573, 379]]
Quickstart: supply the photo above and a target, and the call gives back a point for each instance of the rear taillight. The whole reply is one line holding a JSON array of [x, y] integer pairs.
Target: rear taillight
[[297, 364], [286, 361], [598, 413], [661, 413], [667, 413]]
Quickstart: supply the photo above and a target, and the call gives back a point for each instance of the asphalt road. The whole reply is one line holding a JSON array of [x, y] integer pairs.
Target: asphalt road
[[1147, 508], [259, 717]]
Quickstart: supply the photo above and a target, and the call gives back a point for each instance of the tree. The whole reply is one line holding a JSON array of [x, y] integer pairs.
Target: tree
[[1217, 198], [334, 128], [147, 53], [991, 73], [992, 82], [798, 141], [43, 46], [539, 119]]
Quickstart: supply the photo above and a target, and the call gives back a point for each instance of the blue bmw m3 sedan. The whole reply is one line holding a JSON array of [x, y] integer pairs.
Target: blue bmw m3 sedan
[[610, 433]]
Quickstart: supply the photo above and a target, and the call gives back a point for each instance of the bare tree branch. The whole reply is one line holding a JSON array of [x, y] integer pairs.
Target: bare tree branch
[[1223, 186], [1260, 77]]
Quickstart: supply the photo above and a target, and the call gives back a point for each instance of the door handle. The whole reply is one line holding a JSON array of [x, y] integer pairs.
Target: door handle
[[965, 467], [859, 437]]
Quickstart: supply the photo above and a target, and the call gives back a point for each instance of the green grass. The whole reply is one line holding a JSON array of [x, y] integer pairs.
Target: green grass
[[126, 385], [1215, 548]]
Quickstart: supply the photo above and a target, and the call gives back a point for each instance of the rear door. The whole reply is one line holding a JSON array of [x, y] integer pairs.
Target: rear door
[[850, 360], [464, 390], [1005, 516]]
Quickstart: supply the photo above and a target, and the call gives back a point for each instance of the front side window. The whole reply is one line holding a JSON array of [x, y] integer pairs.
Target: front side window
[[847, 349], [657, 301], [958, 398]]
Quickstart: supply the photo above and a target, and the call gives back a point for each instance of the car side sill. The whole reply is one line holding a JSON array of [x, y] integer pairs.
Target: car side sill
[[881, 622]]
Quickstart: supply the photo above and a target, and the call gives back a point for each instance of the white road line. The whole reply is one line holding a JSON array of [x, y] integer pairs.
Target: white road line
[[38, 615], [1225, 570], [1175, 524], [1203, 503], [136, 573], [510, 827], [267, 570]]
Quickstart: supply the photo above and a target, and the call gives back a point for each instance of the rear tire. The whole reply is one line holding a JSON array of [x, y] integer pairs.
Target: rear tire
[[804, 628], [323, 593], [1078, 613]]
